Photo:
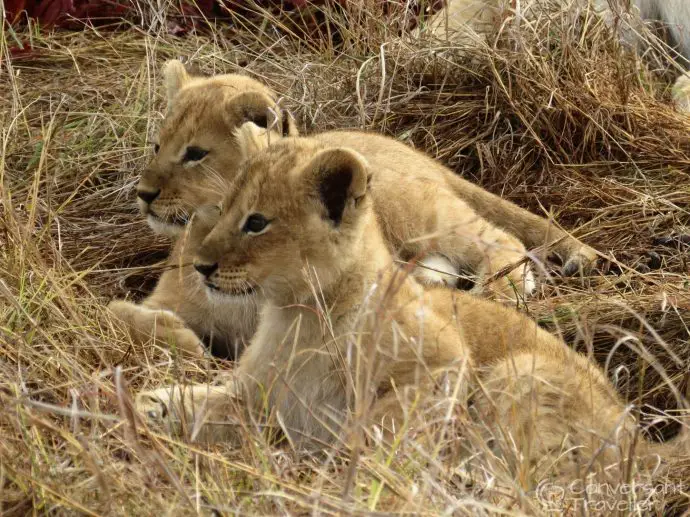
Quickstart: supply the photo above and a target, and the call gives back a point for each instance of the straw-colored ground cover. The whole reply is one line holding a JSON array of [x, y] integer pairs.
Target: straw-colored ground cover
[[552, 114]]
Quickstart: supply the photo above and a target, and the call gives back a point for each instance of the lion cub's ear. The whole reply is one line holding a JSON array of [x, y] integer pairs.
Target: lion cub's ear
[[251, 139], [262, 110], [340, 178], [175, 76]]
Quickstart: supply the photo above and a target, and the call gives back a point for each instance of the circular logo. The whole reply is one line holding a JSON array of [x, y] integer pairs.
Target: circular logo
[[550, 494]]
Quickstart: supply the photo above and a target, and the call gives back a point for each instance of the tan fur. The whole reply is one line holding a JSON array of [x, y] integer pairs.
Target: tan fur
[[202, 112], [427, 211], [342, 329], [681, 92]]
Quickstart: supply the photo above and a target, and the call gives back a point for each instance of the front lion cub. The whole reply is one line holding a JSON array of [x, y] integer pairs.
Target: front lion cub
[[341, 327]]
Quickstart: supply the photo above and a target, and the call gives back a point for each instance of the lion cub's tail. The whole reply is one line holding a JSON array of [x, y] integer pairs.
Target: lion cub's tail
[[530, 228], [677, 446]]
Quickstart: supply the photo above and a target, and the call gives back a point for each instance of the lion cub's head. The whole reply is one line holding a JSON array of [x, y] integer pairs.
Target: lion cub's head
[[296, 207], [197, 153]]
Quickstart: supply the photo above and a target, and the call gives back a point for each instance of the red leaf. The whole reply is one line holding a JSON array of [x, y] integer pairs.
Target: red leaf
[[65, 12], [101, 10], [14, 9], [49, 12]]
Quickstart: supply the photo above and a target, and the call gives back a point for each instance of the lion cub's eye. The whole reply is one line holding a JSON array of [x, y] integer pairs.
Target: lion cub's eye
[[194, 154], [156, 148], [255, 223]]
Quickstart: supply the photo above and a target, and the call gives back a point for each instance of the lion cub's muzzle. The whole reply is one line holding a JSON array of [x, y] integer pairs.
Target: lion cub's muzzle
[[146, 199], [227, 283]]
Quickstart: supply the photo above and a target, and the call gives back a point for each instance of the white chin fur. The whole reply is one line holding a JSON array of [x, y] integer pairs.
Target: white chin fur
[[219, 298], [163, 228], [442, 271]]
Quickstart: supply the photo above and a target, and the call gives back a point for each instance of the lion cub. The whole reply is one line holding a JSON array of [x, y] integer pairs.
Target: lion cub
[[341, 328], [194, 157], [426, 210]]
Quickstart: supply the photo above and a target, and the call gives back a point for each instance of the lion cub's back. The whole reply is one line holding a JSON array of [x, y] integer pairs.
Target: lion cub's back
[[385, 153], [496, 333], [407, 186]]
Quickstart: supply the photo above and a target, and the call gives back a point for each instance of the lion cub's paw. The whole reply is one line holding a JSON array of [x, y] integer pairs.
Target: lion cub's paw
[[177, 408], [170, 407], [155, 406], [580, 262], [164, 326], [436, 270]]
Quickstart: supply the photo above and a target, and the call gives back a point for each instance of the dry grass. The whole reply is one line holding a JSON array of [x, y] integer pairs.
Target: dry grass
[[554, 116]]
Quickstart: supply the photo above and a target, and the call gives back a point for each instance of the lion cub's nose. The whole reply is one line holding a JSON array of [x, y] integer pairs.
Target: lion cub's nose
[[206, 269], [148, 196]]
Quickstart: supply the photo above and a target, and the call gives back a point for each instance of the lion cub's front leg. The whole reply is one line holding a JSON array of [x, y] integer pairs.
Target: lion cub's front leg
[[162, 326]]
